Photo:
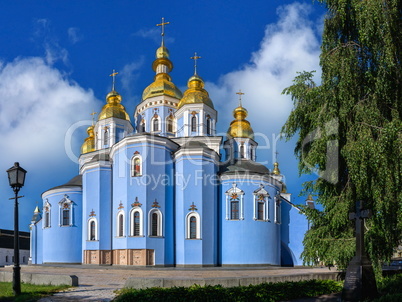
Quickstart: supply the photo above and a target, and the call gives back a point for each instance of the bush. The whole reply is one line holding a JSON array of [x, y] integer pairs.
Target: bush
[[260, 292]]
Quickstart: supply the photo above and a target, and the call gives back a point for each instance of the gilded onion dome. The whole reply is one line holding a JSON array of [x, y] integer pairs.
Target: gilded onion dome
[[89, 142], [276, 170], [195, 94], [162, 84], [240, 127], [113, 108]]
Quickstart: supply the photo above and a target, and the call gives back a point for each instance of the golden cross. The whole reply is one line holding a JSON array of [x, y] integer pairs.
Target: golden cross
[[113, 75], [240, 94], [163, 28], [93, 117], [195, 58]]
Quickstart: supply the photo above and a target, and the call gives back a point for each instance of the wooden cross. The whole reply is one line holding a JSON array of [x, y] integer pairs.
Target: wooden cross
[[240, 94], [113, 75], [163, 28], [359, 217], [195, 58]]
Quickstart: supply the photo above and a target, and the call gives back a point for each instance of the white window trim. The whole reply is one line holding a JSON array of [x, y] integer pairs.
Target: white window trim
[[261, 191], [92, 219], [235, 189], [132, 165], [160, 220], [198, 225], [71, 209], [196, 124], [121, 212], [173, 124], [132, 212], [159, 124], [47, 221]]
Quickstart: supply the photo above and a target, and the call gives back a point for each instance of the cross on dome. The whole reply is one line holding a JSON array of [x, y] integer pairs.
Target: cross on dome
[[113, 75], [162, 24], [240, 94], [195, 58]]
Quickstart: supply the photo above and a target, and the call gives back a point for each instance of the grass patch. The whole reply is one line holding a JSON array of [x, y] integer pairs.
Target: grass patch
[[29, 292], [261, 292]]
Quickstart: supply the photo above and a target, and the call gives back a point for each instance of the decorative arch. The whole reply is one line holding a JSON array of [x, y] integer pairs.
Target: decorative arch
[[209, 125], [46, 215], [66, 211], [261, 204], [193, 123], [136, 165], [136, 222], [155, 123], [92, 229], [155, 223], [234, 203], [120, 224], [170, 124], [193, 225]]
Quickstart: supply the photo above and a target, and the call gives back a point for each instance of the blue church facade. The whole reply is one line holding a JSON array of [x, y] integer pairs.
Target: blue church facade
[[158, 192]]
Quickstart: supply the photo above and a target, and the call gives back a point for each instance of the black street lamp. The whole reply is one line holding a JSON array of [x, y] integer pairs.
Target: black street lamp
[[16, 178]]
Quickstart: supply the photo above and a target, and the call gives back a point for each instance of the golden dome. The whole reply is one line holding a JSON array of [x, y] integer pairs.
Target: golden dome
[[162, 85], [195, 94], [113, 108], [276, 170], [89, 142], [240, 127], [162, 52]]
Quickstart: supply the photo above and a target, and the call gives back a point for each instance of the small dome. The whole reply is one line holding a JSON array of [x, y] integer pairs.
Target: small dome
[[89, 142], [240, 127], [195, 94], [162, 52], [162, 85], [276, 170], [113, 108]]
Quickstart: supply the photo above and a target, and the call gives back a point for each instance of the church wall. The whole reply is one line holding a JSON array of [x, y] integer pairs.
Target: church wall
[[36, 251], [248, 241], [152, 191], [62, 244], [294, 226], [196, 192], [97, 207]]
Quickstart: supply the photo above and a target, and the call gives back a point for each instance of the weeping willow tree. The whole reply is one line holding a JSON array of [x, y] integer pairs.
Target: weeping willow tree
[[350, 131]]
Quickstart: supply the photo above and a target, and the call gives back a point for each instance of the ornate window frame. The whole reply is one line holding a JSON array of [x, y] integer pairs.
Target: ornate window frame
[[89, 234], [132, 222], [193, 123], [197, 216], [47, 215], [159, 230], [155, 121], [133, 163], [261, 196], [170, 124], [234, 192], [120, 224], [66, 205]]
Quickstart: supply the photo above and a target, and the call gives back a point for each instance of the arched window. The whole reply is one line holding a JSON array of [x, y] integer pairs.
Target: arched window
[[106, 137], [242, 151], [66, 212], [155, 223], [143, 126], [136, 222], [193, 124], [193, 224], [252, 153], [155, 124], [92, 229], [234, 203], [169, 124], [209, 126], [46, 216], [261, 204], [120, 224], [136, 165]]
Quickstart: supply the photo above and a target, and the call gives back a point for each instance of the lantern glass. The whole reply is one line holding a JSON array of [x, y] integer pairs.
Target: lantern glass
[[16, 176]]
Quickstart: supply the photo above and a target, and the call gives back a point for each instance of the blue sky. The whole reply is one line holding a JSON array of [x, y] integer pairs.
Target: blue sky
[[56, 57]]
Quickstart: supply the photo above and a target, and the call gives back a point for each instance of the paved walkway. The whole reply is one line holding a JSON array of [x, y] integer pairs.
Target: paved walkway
[[98, 283]]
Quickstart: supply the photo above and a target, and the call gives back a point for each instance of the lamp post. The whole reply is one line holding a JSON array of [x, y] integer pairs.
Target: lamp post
[[16, 178]]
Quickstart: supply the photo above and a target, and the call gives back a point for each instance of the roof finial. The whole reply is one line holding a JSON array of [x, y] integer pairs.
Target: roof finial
[[113, 75], [276, 156], [93, 117], [163, 29], [195, 58], [240, 94]]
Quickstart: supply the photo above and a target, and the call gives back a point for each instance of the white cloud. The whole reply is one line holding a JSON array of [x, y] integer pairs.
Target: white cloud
[[74, 35], [289, 45], [153, 34]]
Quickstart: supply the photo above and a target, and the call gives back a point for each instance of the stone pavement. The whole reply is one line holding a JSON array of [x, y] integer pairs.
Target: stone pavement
[[98, 283]]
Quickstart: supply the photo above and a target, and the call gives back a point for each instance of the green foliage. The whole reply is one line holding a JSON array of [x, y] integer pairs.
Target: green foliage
[[261, 292], [350, 130], [390, 288], [29, 292]]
